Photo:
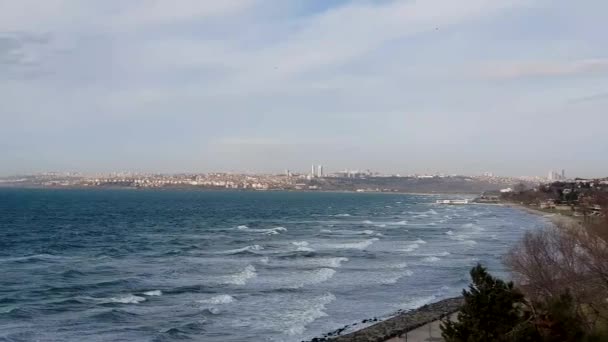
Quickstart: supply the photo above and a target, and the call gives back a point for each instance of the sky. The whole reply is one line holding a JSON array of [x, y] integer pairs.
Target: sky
[[514, 87]]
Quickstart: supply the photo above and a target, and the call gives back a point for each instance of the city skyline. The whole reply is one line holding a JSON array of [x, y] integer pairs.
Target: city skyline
[[512, 87]]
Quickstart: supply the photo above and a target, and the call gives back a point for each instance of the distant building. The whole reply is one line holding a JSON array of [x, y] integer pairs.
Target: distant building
[[320, 171]]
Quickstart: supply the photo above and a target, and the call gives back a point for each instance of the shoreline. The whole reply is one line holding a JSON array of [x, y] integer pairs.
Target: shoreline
[[396, 326], [193, 188], [408, 321]]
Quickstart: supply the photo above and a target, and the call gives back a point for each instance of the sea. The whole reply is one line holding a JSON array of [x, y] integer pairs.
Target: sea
[[173, 265]]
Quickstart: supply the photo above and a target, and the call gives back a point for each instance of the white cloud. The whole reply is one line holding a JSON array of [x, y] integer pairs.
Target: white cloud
[[548, 68]]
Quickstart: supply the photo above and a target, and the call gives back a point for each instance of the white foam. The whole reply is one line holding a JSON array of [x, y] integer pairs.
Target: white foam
[[469, 242], [153, 293], [265, 260], [307, 313], [352, 245], [326, 231], [268, 231], [411, 247], [342, 215], [400, 223], [390, 279], [217, 300], [241, 278], [420, 241], [368, 232], [382, 225], [128, 299], [244, 249], [431, 259], [305, 249], [367, 222], [449, 232], [418, 302], [300, 243], [315, 277]]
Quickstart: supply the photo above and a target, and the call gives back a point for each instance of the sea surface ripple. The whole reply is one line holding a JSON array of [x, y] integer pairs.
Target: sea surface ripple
[[159, 265]]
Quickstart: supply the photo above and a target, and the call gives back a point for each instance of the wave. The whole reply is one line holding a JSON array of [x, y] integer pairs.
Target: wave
[[217, 300], [184, 331], [268, 231], [389, 279], [411, 247], [300, 243], [352, 245], [367, 222], [420, 241], [115, 316], [431, 259], [307, 312], [331, 262], [313, 277], [449, 232], [342, 215], [470, 243], [247, 249], [418, 302], [128, 299], [241, 278], [153, 293]]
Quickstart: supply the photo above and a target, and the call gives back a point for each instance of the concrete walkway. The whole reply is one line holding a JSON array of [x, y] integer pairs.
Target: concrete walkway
[[426, 333]]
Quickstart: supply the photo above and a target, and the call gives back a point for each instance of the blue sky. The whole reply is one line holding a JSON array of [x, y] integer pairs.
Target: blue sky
[[517, 87]]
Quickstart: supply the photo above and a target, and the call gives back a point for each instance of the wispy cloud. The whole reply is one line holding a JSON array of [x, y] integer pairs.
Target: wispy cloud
[[549, 68]]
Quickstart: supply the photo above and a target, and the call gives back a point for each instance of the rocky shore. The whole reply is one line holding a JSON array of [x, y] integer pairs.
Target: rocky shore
[[396, 326]]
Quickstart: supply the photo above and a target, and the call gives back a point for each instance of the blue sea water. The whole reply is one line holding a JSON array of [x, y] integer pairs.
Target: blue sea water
[[154, 265]]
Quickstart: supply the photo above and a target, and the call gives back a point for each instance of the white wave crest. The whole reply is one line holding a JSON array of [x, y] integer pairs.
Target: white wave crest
[[219, 299], [411, 247], [469, 243], [400, 223], [353, 245], [241, 278], [307, 313], [244, 249], [128, 299], [153, 293], [431, 259], [390, 279], [449, 232], [267, 231], [368, 232], [420, 241], [342, 215], [300, 243], [417, 302], [367, 222]]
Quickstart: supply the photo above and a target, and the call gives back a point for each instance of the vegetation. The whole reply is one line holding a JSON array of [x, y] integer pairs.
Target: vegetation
[[560, 291]]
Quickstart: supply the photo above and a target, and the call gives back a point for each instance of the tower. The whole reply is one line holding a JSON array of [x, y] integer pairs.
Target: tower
[[320, 171], [312, 171]]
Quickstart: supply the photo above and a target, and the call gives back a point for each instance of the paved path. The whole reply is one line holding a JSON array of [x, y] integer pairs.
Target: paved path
[[427, 333]]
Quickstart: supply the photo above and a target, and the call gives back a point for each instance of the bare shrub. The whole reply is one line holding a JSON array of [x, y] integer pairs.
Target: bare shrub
[[566, 258]]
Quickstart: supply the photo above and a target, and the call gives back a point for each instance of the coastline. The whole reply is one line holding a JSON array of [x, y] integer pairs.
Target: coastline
[[396, 327]]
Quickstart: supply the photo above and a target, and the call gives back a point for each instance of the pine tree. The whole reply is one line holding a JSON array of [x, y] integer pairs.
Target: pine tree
[[492, 311]]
